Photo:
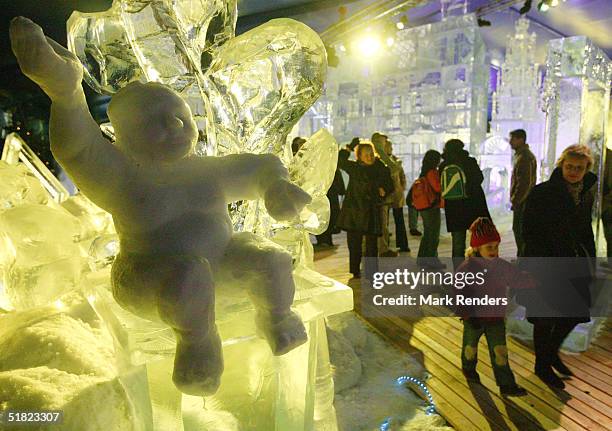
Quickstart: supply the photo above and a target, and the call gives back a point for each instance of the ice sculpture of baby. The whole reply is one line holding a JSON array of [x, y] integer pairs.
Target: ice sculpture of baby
[[170, 209]]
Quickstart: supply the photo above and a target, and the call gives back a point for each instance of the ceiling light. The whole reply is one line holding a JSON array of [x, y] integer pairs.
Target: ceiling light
[[526, 7], [402, 23], [369, 45], [543, 6]]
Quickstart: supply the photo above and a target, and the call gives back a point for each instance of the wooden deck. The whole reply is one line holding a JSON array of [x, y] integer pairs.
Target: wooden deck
[[585, 403]]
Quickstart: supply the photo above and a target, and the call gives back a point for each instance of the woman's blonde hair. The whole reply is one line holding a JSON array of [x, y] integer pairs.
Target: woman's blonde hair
[[580, 151]]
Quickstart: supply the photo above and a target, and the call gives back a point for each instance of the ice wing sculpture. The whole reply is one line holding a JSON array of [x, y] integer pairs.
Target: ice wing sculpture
[[259, 84], [245, 93], [262, 82], [138, 40], [313, 169]]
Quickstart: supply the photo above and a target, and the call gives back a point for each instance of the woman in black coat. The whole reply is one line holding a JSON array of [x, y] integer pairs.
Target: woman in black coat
[[369, 181], [460, 214], [557, 224]]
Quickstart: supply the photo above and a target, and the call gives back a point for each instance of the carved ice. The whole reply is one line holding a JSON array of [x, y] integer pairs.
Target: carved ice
[[516, 105], [517, 102], [162, 41]]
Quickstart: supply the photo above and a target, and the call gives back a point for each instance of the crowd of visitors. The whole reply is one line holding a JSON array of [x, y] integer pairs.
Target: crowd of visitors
[[550, 220]]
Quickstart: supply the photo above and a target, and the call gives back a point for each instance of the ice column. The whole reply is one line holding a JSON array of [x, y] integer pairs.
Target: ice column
[[577, 100]]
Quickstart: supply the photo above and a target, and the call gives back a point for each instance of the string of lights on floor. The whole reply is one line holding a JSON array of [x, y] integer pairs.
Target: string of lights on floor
[[408, 380]]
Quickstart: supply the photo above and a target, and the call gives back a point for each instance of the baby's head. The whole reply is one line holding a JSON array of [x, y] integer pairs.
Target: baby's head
[[485, 238], [152, 123]]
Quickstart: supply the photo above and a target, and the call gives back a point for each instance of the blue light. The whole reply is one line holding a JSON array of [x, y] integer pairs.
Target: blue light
[[401, 381]]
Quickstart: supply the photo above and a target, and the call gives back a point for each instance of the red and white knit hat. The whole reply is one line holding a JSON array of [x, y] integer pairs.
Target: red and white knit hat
[[483, 231]]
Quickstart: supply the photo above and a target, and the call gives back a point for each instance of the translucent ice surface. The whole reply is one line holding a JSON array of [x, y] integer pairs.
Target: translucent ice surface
[[262, 82], [246, 94], [48, 261]]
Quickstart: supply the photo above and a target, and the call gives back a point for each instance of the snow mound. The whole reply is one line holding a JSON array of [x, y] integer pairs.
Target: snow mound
[[88, 403], [60, 342], [345, 364], [376, 396]]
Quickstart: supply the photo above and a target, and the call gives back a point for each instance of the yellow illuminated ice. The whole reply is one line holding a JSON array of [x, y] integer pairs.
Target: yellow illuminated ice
[[48, 261], [245, 95], [170, 210]]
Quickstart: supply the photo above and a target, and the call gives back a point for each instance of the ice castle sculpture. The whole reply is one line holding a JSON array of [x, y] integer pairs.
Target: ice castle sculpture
[[442, 84], [246, 94], [432, 86], [516, 104]]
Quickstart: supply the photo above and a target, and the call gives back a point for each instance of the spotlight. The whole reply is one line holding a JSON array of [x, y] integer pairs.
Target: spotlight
[[342, 48], [543, 6], [390, 41], [369, 45], [526, 7], [554, 3], [402, 23], [483, 23]]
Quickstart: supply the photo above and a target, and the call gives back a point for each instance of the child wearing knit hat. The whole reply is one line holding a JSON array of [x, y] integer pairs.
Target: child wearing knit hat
[[488, 319]]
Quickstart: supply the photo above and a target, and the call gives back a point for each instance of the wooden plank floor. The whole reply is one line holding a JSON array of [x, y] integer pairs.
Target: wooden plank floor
[[585, 403]]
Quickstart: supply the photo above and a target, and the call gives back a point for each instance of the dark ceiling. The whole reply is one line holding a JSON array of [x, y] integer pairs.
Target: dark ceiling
[[592, 18]]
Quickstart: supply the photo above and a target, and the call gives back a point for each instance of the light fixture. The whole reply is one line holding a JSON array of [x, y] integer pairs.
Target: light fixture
[[342, 48], [402, 23], [526, 7], [543, 6], [390, 41], [369, 45]]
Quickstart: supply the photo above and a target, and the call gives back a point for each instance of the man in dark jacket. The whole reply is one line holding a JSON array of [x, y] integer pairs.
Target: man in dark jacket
[[381, 143], [460, 214], [524, 172], [557, 226]]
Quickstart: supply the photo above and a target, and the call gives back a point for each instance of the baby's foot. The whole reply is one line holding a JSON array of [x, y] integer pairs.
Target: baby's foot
[[284, 332], [198, 364]]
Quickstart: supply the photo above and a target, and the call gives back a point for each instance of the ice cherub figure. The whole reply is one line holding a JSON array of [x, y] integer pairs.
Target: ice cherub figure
[[170, 209]]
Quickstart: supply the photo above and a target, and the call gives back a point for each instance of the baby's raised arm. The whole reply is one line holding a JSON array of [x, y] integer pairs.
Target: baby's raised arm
[[260, 176], [93, 162], [248, 176]]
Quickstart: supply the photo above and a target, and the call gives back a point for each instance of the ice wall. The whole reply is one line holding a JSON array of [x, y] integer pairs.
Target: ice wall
[[577, 100], [430, 86], [576, 97]]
